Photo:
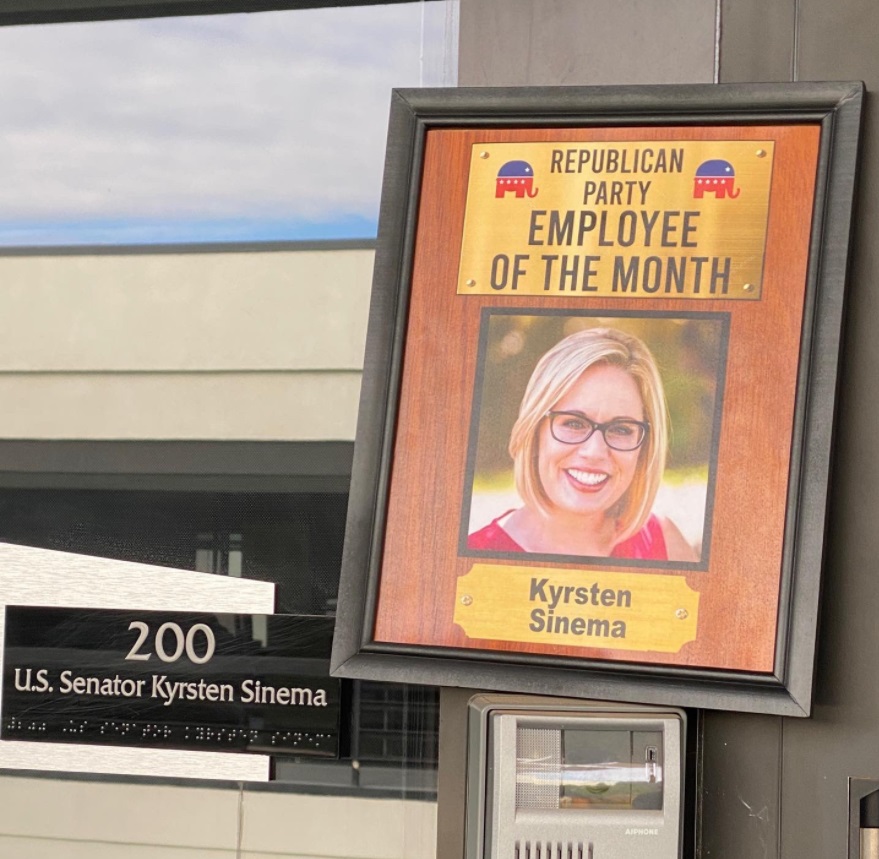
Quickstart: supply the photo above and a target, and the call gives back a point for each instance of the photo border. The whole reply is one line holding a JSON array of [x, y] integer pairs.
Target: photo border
[[836, 108], [723, 317]]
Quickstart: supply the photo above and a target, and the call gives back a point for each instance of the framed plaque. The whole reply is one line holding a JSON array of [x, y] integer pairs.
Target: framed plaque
[[596, 418]]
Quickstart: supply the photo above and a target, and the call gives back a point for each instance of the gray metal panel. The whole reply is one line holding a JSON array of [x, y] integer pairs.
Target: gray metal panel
[[843, 738], [551, 42], [171, 249], [743, 754], [757, 40], [824, 41], [739, 801], [744, 792], [451, 777], [836, 39], [177, 465]]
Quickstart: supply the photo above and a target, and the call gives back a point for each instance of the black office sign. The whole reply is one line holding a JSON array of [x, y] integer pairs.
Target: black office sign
[[172, 680]]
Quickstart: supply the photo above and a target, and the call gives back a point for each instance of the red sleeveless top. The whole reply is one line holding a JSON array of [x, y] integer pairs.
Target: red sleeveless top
[[647, 544]]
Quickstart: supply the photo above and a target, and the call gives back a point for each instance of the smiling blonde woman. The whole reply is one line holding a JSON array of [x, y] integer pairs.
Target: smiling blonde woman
[[589, 450]]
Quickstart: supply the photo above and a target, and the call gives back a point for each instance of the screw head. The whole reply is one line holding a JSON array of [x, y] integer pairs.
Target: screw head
[[682, 614], [748, 287], [483, 154], [466, 600], [470, 282], [760, 153]]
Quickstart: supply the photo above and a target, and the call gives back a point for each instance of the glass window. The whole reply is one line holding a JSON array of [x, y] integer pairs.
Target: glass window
[[219, 128], [389, 732]]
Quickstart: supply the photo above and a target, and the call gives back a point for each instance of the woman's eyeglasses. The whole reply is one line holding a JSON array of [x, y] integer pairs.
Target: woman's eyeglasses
[[575, 428]]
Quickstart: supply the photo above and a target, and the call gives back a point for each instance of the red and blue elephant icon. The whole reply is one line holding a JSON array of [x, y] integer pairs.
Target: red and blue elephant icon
[[515, 176], [715, 177]]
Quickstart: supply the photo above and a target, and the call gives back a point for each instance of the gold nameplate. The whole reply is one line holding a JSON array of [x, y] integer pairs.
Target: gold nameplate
[[647, 219], [621, 611]]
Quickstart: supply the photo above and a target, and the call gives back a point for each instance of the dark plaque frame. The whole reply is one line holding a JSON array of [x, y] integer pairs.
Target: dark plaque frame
[[787, 689]]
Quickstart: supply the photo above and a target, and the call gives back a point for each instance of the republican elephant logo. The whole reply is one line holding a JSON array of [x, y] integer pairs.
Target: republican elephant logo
[[716, 177], [515, 176]]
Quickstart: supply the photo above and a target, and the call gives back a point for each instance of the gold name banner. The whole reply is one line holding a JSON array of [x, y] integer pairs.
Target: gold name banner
[[647, 219], [621, 611]]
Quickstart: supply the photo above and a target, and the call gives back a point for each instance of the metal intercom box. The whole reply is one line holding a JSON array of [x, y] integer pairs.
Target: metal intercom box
[[555, 778]]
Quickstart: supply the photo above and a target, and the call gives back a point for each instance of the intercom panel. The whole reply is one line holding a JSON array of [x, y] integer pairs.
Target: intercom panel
[[552, 778]]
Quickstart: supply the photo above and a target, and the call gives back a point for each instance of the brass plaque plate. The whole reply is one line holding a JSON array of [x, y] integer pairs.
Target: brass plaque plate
[[620, 611], [644, 219]]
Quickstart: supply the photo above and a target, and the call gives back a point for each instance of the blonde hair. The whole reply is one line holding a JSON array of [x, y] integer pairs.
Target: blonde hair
[[556, 372]]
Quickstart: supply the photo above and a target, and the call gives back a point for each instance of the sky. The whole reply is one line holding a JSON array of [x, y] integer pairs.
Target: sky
[[265, 126]]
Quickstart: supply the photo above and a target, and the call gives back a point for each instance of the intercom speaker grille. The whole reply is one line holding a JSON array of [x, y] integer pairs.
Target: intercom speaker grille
[[552, 850], [538, 767]]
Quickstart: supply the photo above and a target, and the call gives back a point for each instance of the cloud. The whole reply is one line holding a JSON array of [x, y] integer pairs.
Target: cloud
[[277, 116]]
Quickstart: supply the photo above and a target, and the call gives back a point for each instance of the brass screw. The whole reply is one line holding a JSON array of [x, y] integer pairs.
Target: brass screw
[[470, 282], [483, 155], [466, 600], [748, 287], [760, 153], [682, 614]]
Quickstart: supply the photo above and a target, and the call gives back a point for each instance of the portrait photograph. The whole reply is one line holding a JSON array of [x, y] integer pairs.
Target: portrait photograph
[[595, 437]]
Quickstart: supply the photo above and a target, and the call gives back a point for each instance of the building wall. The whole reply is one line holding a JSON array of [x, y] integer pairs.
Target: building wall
[[773, 788], [232, 369], [44, 818], [236, 345], [266, 347], [794, 773], [586, 42]]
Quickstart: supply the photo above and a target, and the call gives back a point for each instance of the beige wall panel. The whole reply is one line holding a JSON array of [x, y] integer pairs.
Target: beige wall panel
[[47, 848], [322, 826], [198, 311], [205, 406], [119, 814], [292, 853], [248, 854], [115, 760], [564, 42]]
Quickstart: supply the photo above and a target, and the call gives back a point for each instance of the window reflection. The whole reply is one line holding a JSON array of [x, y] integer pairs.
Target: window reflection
[[218, 128], [389, 735]]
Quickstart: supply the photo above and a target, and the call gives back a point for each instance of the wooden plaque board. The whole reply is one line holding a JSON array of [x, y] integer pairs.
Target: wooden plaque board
[[503, 531]]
